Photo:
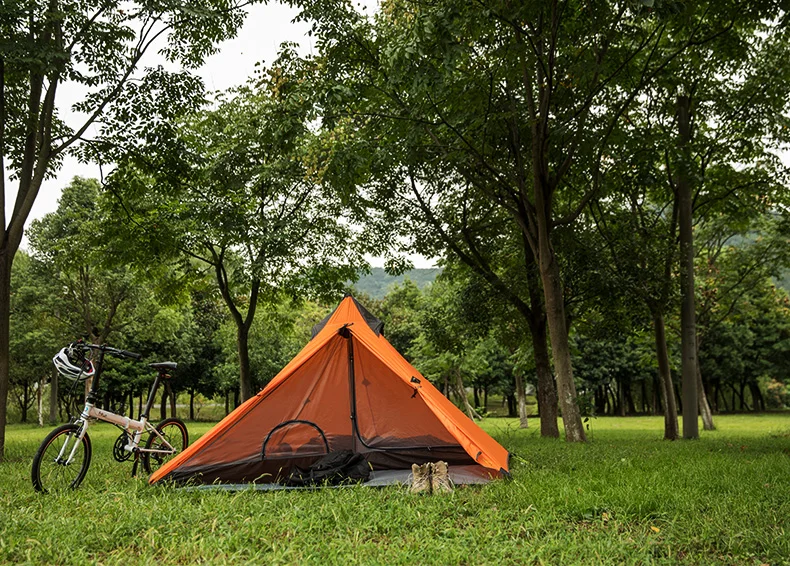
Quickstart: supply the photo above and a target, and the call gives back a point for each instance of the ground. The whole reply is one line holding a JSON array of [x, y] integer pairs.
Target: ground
[[625, 497]]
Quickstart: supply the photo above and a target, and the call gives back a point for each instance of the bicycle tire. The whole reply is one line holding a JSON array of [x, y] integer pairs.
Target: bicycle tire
[[176, 433], [47, 473]]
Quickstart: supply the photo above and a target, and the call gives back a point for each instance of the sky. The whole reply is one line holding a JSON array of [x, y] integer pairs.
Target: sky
[[265, 28]]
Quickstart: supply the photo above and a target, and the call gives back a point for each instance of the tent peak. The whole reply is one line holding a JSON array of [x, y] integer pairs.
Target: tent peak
[[342, 315]]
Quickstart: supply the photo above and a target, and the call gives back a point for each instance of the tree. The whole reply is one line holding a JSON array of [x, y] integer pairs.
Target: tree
[[518, 102], [235, 189], [96, 45]]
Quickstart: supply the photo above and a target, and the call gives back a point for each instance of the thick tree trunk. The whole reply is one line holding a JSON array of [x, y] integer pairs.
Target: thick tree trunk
[[688, 311], [6, 258], [546, 391], [521, 399], [704, 408], [53, 398], [245, 378], [665, 377]]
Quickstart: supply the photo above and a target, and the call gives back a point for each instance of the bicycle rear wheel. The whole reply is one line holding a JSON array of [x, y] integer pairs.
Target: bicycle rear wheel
[[174, 431], [62, 460]]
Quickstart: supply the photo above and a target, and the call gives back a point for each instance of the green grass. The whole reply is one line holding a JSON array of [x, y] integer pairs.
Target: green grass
[[626, 497]]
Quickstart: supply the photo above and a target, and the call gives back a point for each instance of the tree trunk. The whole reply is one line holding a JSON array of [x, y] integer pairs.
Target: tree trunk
[[757, 397], [621, 398], [560, 347], [227, 402], [521, 399], [688, 311], [704, 408], [546, 391], [665, 377], [172, 396], [53, 398], [485, 397], [40, 401], [476, 396], [245, 379], [658, 393], [25, 402], [163, 406], [645, 406], [461, 392], [131, 403], [6, 259], [191, 404]]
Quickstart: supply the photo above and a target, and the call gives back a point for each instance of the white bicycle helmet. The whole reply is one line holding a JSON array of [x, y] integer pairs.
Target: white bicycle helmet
[[72, 366]]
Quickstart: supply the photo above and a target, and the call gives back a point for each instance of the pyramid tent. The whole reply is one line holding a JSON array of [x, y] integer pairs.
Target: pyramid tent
[[348, 389]]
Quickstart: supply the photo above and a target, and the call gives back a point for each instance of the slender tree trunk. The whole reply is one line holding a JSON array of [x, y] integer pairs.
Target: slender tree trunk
[[163, 406], [658, 393], [521, 398], [629, 399], [40, 401], [704, 408], [6, 259], [645, 405], [245, 378], [757, 397], [227, 402], [131, 403], [191, 404], [485, 397], [665, 376], [461, 392], [560, 347], [25, 402], [688, 310], [53, 398], [140, 404], [172, 396], [621, 398]]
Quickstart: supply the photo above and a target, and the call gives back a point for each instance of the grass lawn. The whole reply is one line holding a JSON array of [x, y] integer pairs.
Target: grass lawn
[[626, 497]]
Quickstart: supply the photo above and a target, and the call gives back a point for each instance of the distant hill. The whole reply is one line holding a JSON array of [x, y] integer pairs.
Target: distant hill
[[378, 282]]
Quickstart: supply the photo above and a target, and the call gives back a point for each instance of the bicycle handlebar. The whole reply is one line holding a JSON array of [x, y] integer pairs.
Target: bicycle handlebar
[[109, 350]]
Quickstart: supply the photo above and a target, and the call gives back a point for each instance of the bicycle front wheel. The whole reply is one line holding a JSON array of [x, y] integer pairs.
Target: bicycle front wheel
[[62, 460], [170, 438]]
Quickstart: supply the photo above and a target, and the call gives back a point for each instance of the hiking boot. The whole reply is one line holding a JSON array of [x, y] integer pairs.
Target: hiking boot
[[420, 478], [440, 480]]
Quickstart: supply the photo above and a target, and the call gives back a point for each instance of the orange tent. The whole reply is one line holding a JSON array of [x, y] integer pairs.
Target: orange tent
[[348, 389]]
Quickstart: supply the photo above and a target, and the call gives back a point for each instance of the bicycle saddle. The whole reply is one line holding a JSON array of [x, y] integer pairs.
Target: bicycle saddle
[[164, 365]]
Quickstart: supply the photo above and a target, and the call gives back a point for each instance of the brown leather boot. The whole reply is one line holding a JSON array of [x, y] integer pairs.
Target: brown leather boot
[[440, 480], [420, 479]]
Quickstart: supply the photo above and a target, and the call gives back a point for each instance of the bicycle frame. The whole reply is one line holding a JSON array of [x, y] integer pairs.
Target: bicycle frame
[[92, 413]]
